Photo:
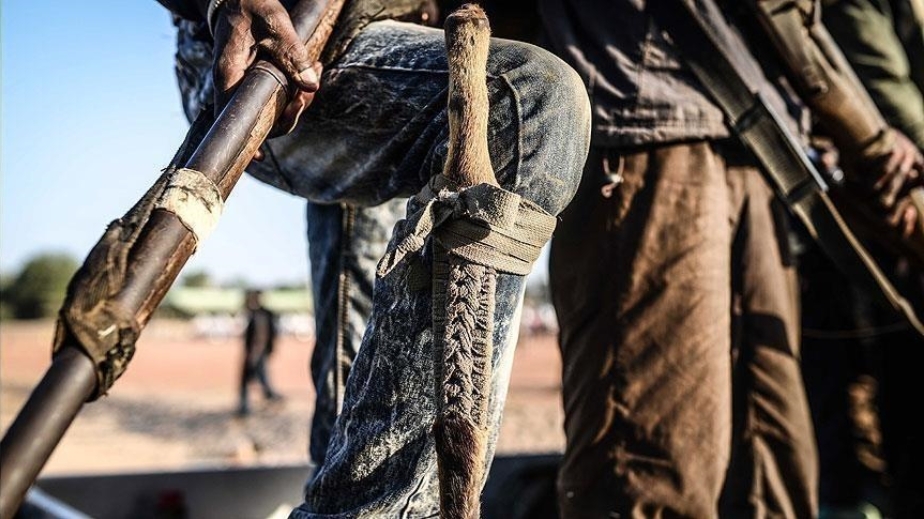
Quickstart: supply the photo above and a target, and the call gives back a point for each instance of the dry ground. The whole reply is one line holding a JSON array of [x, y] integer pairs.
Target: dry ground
[[173, 408]]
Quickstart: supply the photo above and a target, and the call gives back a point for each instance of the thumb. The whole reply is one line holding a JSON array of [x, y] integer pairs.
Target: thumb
[[288, 52]]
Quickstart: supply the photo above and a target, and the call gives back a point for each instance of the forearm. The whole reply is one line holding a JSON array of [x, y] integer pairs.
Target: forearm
[[189, 9], [825, 79], [869, 41]]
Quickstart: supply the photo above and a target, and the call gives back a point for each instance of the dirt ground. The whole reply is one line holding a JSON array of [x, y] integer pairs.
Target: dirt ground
[[174, 407]]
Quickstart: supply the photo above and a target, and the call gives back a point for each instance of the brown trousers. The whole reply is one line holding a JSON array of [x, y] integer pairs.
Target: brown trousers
[[679, 337]]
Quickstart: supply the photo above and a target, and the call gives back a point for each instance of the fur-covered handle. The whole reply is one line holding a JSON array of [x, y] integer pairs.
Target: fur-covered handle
[[468, 35], [460, 431]]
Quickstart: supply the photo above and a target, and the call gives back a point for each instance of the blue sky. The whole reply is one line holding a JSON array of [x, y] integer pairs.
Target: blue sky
[[90, 114]]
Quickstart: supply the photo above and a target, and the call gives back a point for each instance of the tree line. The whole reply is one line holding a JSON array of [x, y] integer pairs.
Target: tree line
[[37, 290]]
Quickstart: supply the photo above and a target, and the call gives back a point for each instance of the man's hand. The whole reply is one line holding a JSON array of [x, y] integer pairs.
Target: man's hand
[[241, 29], [891, 176], [899, 172]]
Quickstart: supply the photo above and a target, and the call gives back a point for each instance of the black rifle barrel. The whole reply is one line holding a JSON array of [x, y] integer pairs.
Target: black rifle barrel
[[163, 247]]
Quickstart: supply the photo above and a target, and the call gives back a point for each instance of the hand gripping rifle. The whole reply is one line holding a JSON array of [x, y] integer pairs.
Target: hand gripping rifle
[[127, 273], [735, 81]]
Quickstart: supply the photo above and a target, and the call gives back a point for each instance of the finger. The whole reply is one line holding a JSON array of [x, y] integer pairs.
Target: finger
[[909, 221], [234, 52], [906, 178], [895, 159], [917, 171], [904, 218], [285, 48], [883, 167], [908, 162], [896, 185], [294, 109], [896, 217]]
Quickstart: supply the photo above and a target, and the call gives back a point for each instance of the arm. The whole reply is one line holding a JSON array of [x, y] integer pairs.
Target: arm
[[879, 159], [244, 29], [866, 34]]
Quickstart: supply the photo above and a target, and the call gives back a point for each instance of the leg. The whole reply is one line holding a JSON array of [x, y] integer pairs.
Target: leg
[[774, 468], [263, 378], [839, 372], [243, 407], [640, 280], [380, 132], [344, 245], [900, 377]]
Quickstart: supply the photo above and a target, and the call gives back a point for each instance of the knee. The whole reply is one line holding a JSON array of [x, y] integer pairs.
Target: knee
[[554, 113]]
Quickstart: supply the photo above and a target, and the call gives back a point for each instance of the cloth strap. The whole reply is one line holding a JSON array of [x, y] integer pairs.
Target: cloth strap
[[194, 199], [483, 224]]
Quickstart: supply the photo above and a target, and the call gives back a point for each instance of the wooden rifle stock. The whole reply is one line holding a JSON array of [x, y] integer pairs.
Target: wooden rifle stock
[[162, 248]]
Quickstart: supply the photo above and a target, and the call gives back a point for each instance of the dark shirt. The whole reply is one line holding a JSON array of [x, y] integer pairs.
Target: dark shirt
[[260, 334], [641, 89], [641, 92], [884, 42]]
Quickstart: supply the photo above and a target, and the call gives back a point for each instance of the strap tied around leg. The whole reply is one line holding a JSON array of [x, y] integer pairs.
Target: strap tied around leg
[[483, 224]]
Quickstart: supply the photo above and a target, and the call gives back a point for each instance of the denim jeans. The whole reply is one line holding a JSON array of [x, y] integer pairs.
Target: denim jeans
[[344, 245], [378, 130]]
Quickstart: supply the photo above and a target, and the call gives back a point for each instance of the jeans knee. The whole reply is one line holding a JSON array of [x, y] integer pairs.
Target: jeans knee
[[554, 112]]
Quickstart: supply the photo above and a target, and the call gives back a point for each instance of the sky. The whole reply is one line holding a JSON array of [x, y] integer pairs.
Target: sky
[[90, 114]]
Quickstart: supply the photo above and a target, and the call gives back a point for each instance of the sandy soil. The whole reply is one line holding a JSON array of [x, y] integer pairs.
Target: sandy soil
[[173, 408]]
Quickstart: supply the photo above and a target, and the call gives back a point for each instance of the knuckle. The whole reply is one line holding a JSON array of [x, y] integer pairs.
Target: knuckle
[[293, 51], [224, 64], [272, 22]]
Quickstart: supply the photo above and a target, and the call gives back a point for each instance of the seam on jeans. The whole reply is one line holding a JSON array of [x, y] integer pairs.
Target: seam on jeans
[[392, 68], [519, 126], [281, 173], [416, 492], [343, 300]]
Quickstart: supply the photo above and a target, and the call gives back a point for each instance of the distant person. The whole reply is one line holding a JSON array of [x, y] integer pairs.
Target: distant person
[[259, 339]]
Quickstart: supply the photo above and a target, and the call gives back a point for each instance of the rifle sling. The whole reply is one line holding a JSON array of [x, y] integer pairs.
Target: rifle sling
[[782, 158]]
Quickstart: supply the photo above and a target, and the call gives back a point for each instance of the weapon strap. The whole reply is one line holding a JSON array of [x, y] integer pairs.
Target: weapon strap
[[784, 161]]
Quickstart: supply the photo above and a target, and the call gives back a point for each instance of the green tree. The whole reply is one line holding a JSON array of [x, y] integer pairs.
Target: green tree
[[197, 279], [38, 289], [6, 310]]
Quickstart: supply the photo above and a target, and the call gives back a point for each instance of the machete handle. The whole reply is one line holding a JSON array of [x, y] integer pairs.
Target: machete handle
[[468, 36]]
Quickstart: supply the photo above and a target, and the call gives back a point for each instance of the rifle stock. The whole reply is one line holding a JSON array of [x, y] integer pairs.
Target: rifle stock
[[220, 150]]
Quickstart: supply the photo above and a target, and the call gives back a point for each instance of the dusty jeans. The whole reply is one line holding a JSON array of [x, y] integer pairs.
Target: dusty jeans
[[378, 131], [344, 245], [667, 254]]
